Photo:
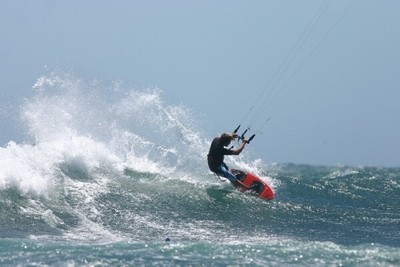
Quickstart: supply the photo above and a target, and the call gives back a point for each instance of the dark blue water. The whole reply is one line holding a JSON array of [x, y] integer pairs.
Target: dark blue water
[[94, 188]]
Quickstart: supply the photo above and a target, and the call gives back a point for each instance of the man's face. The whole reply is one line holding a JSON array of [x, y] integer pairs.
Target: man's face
[[227, 142]]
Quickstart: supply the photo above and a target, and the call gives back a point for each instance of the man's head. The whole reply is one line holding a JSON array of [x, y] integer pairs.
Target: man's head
[[226, 139]]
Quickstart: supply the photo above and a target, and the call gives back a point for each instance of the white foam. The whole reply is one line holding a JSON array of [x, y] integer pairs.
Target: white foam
[[73, 120], [26, 167]]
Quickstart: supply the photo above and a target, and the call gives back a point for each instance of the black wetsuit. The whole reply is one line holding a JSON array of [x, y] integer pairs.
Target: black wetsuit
[[216, 154]]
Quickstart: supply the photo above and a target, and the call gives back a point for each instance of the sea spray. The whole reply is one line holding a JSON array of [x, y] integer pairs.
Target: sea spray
[[86, 139]]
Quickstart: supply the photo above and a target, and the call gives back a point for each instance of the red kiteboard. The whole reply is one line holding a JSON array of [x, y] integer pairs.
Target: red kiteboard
[[259, 186]]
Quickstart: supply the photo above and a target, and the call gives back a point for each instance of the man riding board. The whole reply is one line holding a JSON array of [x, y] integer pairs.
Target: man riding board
[[216, 155]]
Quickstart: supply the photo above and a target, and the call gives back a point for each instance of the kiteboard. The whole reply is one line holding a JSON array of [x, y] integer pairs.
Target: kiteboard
[[257, 185]]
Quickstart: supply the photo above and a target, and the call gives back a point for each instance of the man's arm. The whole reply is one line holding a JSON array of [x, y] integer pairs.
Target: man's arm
[[240, 149]]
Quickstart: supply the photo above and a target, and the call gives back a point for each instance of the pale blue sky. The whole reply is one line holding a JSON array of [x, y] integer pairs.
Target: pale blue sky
[[340, 107]]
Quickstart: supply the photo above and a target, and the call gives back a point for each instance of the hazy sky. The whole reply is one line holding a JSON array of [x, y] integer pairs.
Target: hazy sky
[[337, 102]]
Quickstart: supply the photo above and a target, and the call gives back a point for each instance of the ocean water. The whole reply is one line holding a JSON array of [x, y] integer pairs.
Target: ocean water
[[114, 176]]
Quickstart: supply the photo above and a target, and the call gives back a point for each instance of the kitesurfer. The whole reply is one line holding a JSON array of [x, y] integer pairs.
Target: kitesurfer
[[217, 152]]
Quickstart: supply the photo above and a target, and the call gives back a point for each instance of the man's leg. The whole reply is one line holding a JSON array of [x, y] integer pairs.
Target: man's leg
[[223, 171]]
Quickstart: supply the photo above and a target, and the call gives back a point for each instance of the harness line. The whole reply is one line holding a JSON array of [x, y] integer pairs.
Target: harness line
[[283, 69]]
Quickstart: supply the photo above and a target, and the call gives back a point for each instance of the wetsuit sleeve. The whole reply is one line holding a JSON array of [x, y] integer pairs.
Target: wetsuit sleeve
[[227, 151]]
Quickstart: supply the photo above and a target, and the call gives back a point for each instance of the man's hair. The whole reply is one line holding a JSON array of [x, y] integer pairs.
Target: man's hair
[[226, 137]]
